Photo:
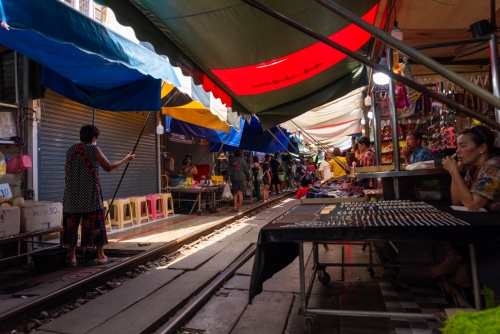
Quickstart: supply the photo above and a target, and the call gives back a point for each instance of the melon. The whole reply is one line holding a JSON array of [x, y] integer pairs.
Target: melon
[[3, 199], [5, 206], [16, 201]]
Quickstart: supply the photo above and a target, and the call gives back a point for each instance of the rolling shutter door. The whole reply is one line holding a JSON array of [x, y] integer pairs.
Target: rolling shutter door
[[61, 121]]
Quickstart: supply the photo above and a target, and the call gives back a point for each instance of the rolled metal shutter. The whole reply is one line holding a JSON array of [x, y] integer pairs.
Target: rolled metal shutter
[[61, 121]]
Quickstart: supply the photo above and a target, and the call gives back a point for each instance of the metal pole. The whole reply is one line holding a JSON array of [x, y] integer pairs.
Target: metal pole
[[394, 116], [289, 142], [302, 278], [126, 167], [376, 132], [311, 138], [93, 116], [272, 134], [494, 76], [379, 68], [16, 77], [378, 314], [475, 281], [411, 52]]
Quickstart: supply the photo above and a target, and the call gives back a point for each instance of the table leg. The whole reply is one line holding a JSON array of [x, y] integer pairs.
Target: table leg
[[475, 281]]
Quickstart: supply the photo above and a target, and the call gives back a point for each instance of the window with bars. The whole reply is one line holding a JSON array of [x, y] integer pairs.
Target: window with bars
[[84, 6]]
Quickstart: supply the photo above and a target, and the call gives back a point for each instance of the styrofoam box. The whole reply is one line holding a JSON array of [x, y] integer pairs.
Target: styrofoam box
[[10, 221], [37, 216]]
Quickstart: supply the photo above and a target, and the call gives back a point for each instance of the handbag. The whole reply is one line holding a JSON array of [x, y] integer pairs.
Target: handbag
[[260, 175]]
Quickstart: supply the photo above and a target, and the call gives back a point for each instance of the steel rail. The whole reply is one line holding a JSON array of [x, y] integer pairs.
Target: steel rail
[[382, 69], [199, 299], [411, 52], [18, 314]]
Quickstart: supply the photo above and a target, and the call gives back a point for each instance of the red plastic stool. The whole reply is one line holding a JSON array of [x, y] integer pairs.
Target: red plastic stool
[[155, 206]]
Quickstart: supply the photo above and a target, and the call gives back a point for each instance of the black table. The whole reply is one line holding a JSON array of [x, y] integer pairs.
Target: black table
[[279, 244]]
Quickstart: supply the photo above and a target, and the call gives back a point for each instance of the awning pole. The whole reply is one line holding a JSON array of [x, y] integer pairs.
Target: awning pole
[[93, 117], [495, 76], [394, 116], [126, 167], [311, 138], [382, 69], [286, 149], [411, 52], [376, 132], [289, 142]]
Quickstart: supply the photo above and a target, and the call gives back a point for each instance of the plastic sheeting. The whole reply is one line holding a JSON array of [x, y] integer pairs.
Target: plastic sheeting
[[253, 138], [82, 59], [233, 137], [347, 108]]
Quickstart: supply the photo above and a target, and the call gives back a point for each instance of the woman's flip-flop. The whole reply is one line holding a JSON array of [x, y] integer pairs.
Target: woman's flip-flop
[[70, 265], [109, 260]]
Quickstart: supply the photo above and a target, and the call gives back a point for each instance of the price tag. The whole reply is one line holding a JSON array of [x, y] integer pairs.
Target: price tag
[[5, 190]]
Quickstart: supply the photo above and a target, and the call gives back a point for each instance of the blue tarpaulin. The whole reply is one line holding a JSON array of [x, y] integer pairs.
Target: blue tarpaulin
[[233, 137], [255, 139], [82, 59]]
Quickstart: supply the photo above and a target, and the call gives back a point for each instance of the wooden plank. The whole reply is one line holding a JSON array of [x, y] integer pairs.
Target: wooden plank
[[97, 311], [267, 314], [220, 314], [149, 313], [225, 257]]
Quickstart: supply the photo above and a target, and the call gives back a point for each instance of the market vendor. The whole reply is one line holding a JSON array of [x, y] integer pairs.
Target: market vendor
[[413, 151], [479, 189], [325, 167], [367, 158], [188, 169]]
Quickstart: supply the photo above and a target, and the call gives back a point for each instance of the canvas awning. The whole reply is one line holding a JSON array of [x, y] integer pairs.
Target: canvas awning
[[326, 133], [344, 109], [220, 44], [82, 59]]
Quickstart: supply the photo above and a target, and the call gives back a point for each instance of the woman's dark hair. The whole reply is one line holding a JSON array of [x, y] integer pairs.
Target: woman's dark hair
[[255, 159], [482, 135], [88, 132], [356, 147], [337, 152], [266, 157], [185, 158], [364, 140], [238, 153]]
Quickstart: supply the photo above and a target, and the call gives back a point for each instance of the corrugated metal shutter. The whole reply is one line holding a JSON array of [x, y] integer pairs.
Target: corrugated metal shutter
[[8, 92], [60, 127]]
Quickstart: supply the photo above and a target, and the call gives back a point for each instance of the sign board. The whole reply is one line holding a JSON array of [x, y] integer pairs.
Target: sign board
[[5, 190]]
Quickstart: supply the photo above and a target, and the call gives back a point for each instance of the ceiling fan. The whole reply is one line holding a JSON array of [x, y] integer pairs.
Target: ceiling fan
[[479, 29]]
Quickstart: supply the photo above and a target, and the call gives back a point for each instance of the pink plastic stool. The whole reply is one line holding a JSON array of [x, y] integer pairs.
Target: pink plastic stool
[[155, 206]]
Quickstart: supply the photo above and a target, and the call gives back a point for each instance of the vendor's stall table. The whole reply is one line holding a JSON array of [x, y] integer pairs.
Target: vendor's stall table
[[29, 235], [282, 240], [209, 193]]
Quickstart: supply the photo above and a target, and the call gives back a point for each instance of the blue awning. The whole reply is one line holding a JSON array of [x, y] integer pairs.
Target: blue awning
[[233, 137], [255, 139], [82, 59]]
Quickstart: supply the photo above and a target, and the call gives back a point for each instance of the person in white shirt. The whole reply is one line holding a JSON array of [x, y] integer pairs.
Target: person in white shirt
[[325, 167]]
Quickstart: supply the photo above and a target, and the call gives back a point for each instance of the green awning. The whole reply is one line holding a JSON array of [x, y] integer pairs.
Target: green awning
[[253, 62]]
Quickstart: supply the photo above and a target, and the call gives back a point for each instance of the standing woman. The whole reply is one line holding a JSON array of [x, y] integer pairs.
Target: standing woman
[[240, 178], [255, 172], [83, 195], [266, 180], [187, 169]]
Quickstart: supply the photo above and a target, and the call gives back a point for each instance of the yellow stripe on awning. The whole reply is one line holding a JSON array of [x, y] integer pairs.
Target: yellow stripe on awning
[[193, 112]]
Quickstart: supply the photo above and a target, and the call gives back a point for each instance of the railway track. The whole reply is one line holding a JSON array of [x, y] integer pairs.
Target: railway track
[[19, 315]]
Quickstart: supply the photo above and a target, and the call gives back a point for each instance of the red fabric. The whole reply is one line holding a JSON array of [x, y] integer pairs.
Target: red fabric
[[202, 170], [296, 67], [301, 192], [210, 86]]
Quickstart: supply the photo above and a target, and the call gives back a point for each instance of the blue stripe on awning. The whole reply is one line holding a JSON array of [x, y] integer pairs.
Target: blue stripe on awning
[[82, 59]]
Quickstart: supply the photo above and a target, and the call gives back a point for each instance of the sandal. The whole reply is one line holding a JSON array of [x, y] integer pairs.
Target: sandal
[[107, 261], [70, 265]]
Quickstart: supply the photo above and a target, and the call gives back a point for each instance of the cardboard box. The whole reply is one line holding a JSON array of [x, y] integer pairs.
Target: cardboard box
[[37, 216], [10, 221]]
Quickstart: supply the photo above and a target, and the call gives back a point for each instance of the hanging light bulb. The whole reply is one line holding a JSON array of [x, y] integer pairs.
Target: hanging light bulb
[[160, 129], [363, 121], [397, 32], [370, 114], [381, 78]]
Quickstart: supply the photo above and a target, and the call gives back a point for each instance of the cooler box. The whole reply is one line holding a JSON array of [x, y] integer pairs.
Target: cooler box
[[37, 216], [10, 221]]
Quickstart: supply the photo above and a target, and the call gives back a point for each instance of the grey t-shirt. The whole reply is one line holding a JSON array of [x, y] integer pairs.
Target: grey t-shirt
[[238, 170]]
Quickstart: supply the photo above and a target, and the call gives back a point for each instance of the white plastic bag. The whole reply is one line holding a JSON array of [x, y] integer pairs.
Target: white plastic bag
[[226, 193]]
